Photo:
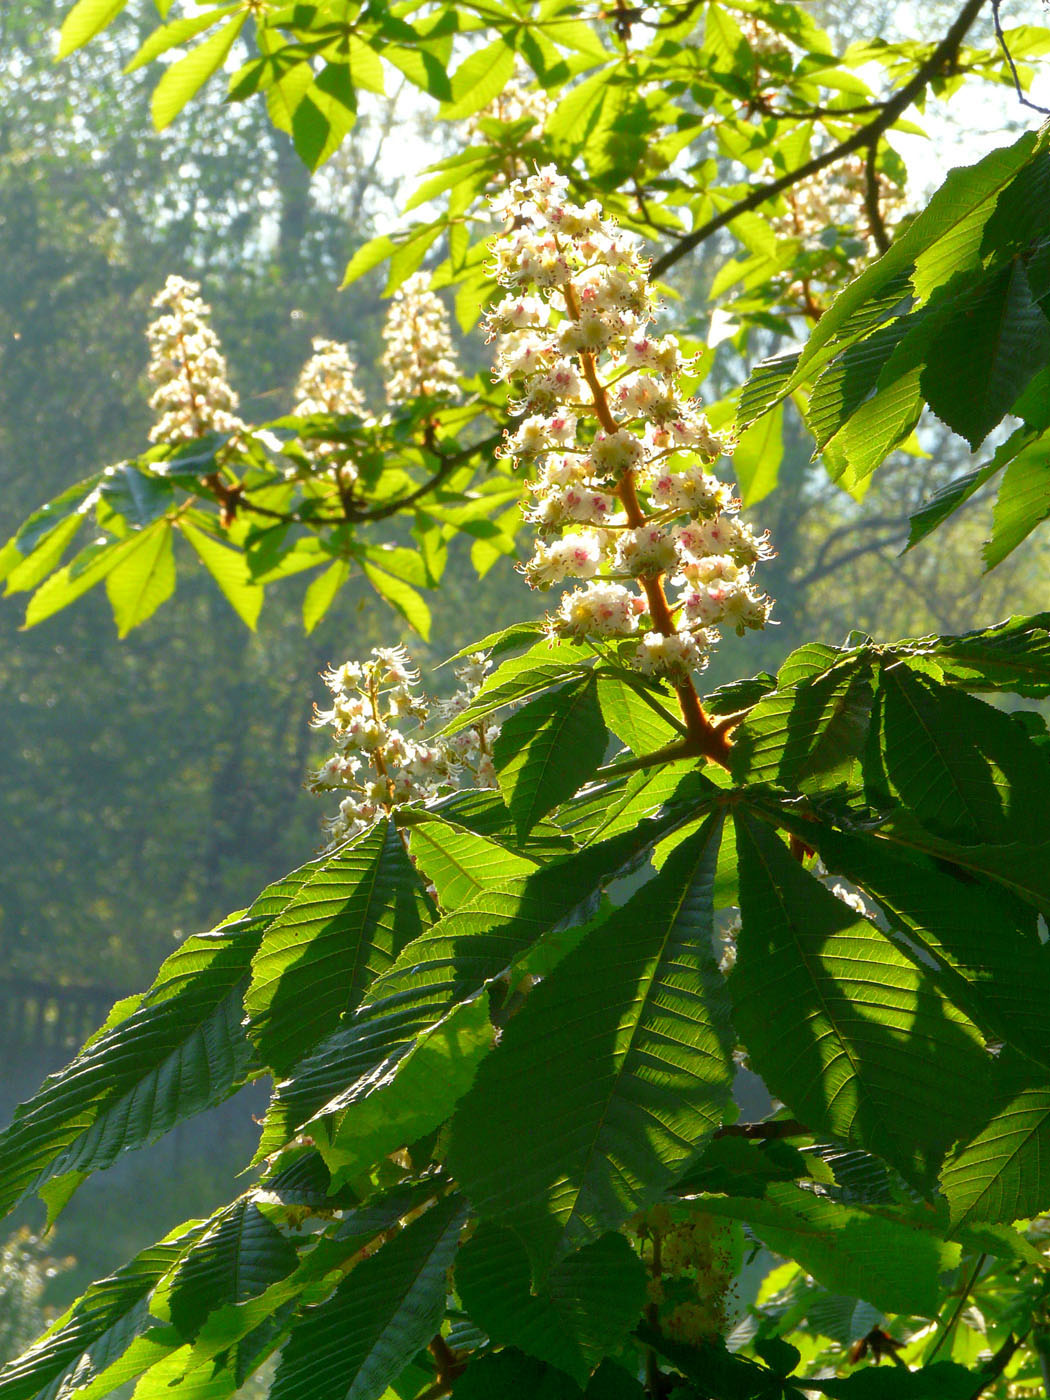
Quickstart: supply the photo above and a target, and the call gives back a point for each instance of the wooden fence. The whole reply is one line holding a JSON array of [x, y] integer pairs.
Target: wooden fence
[[37, 1015]]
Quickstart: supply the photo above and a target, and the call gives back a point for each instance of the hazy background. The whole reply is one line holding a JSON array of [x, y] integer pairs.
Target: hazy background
[[148, 787]]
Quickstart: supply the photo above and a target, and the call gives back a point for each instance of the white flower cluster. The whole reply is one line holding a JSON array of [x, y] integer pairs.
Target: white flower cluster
[[834, 197], [419, 359], [516, 101], [624, 494], [326, 385], [375, 764], [193, 395]]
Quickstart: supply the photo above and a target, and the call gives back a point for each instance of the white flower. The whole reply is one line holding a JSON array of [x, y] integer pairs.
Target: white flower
[[193, 395], [419, 358]]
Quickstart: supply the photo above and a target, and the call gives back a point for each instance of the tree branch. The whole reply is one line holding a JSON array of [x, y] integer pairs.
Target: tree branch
[[876, 223], [941, 56], [1012, 65]]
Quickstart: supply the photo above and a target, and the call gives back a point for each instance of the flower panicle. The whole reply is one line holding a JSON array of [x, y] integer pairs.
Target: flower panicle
[[377, 764], [419, 360], [193, 394], [624, 492]]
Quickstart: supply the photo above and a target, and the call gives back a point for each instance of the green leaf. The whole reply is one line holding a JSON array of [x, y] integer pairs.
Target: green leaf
[[547, 750], [757, 457], [814, 975], [1001, 1173], [143, 579], [343, 928], [184, 79], [985, 353], [321, 593], [845, 1248], [621, 805], [541, 667], [946, 501], [238, 1258], [1013, 655], [612, 1075], [169, 36], [176, 1051], [82, 1345], [401, 596], [481, 77], [635, 715], [810, 733], [1023, 501], [82, 573], [368, 256], [961, 767], [363, 1124], [230, 571], [86, 19], [994, 969], [354, 1345], [588, 1304], [324, 114], [460, 863], [511, 1375]]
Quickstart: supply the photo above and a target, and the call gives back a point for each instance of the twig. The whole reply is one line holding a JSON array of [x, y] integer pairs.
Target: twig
[[876, 225], [1012, 65], [945, 1330], [926, 72], [776, 1128]]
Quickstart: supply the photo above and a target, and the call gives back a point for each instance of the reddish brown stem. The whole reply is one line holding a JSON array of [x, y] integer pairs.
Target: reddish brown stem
[[703, 737]]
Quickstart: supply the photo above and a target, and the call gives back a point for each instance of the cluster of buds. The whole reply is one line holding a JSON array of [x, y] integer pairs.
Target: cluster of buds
[[326, 385], [692, 1271], [834, 198], [624, 495], [513, 104], [419, 359], [375, 764], [193, 395]]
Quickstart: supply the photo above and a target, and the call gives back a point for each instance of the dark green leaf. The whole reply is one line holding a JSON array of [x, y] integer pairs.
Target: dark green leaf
[[238, 1258], [964, 769], [354, 1345], [344, 927], [612, 1075], [846, 1249], [586, 1308], [1002, 1172], [547, 750], [814, 975], [983, 355]]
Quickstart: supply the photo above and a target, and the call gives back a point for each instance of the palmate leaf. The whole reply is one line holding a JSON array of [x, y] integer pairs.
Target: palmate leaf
[[491, 933], [611, 1077], [964, 769], [1002, 1172], [619, 806], [996, 970], [847, 1249], [343, 928], [97, 1331], [588, 1304], [548, 749], [843, 1027], [355, 1344]]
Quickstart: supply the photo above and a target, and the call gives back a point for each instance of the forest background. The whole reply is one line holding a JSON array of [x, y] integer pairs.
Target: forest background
[[190, 736]]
